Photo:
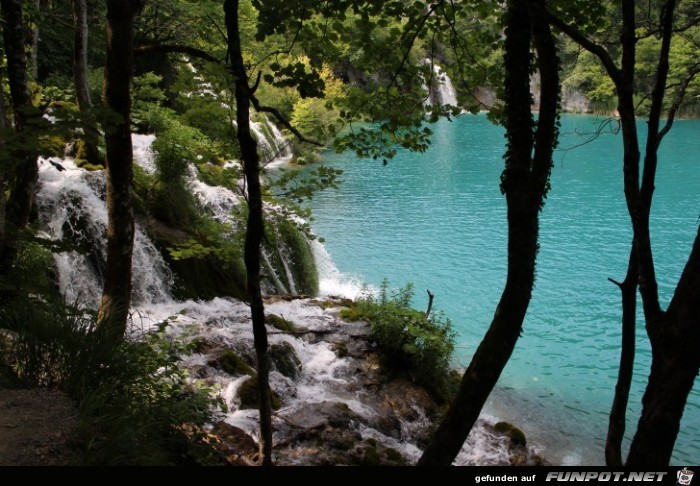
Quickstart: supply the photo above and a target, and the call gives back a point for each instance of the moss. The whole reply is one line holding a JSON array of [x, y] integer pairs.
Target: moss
[[216, 175], [371, 456], [204, 277], [285, 359], [352, 314], [341, 349], [280, 323], [287, 243], [207, 278], [52, 145], [250, 398], [393, 456], [516, 436], [231, 363], [303, 265], [84, 164]]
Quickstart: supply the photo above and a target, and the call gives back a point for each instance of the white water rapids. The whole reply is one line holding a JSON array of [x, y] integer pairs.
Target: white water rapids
[[71, 206]]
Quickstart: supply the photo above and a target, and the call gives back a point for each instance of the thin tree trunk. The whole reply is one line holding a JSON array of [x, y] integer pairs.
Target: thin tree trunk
[[524, 182], [21, 202], [89, 150], [116, 296], [255, 226], [618, 411], [34, 41], [4, 123]]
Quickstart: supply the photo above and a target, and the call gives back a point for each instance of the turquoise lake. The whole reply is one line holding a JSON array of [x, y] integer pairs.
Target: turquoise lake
[[438, 220]]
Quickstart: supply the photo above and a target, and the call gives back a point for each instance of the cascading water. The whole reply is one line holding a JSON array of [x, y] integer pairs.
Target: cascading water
[[72, 210], [441, 89], [274, 147], [71, 206]]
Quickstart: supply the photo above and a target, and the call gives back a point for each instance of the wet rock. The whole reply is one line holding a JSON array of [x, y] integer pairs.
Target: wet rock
[[314, 415], [250, 398], [280, 323], [285, 359], [230, 362], [324, 434], [516, 436]]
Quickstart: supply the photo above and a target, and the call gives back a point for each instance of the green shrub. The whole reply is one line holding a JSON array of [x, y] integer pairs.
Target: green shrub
[[408, 341], [136, 406]]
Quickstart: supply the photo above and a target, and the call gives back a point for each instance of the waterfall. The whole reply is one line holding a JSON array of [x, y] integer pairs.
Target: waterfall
[[442, 91], [274, 147], [72, 211], [332, 282]]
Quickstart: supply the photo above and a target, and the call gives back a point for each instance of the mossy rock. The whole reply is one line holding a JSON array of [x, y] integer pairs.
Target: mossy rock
[[84, 164], [285, 359], [52, 145], [370, 457], [280, 323], [231, 363], [394, 457], [516, 436], [250, 398], [374, 454], [341, 349]]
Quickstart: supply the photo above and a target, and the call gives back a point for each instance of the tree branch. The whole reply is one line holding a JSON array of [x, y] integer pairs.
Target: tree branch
[[678, 100], [419, 28], [584, 41]]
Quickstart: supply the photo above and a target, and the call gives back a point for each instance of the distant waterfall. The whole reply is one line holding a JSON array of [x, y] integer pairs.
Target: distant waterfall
[[441, 89]]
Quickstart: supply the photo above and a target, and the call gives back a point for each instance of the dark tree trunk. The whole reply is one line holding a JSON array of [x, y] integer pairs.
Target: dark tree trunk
[[116, 297], [674, 367], [618, 411], [21, 202], [255, 226], [4, 123], [674, 334], [525, 181], [89, 150]]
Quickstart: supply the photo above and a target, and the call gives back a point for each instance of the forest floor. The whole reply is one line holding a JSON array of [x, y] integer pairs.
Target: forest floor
[[35, 426]]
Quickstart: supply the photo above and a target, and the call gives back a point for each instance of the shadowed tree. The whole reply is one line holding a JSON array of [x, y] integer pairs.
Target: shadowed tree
[[674, 333], [116, 296], [255, 227], [525, 183], [24, 153], [88, 148]]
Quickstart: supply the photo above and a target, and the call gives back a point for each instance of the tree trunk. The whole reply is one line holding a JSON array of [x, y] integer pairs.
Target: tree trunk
[[674, 334], [525, 181], [675, 364], [21, 202], [88, 151], [116, 297], [34, 41], [618, 411], [255, 227], [4, 123]]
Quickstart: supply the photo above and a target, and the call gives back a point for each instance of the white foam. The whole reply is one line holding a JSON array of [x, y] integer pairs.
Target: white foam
[[332, 282]]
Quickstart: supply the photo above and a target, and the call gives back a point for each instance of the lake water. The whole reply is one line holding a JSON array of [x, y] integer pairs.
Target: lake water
[[438, 220]]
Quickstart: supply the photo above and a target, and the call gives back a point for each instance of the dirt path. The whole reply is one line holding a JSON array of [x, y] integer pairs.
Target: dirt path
[[34, 427]]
